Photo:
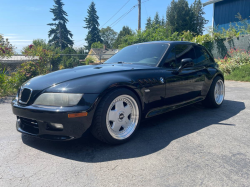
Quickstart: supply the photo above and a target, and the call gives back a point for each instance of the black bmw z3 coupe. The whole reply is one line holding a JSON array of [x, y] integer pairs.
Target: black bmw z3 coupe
[[140, 81]]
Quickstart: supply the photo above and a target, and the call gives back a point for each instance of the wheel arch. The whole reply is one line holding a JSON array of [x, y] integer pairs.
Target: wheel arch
[[220, 75], [112, 87]]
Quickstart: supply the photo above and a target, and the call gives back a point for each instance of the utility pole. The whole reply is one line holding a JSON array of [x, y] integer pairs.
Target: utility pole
[[139, 14]]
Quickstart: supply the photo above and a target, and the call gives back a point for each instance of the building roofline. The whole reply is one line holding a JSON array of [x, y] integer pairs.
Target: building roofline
[[211, 2]]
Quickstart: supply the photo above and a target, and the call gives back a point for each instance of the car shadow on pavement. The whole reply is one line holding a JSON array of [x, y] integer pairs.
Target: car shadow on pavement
[[154, 134]]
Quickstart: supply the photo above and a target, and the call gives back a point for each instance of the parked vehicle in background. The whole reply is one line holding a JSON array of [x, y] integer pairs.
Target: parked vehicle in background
[[140, 81]]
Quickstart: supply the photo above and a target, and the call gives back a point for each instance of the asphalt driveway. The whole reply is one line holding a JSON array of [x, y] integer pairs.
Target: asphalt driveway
[[193, 146]]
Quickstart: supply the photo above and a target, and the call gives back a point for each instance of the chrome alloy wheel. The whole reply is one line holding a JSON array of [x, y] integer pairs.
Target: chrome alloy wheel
[[122, 117], [219, 92]]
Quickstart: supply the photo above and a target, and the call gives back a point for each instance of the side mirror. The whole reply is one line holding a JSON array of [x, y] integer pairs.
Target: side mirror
[[185, 63]]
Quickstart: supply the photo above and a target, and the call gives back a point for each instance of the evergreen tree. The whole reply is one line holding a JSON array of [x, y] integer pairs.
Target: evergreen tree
[[149, 23], [124, 32], [59, 34], [179, 16], [92, 25], [157, 20], [163, 22], [199, 21]]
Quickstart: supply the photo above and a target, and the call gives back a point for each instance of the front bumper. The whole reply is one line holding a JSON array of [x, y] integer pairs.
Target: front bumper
[[36, 121]]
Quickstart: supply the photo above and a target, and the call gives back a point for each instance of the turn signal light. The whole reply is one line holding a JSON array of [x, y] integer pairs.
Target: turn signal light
[[77, 115]]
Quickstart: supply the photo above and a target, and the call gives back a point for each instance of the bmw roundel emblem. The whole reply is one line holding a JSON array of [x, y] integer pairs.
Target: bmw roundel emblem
[[162, 80]]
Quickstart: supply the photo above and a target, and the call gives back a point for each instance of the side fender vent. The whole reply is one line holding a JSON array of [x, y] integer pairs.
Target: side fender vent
[[149, 81]]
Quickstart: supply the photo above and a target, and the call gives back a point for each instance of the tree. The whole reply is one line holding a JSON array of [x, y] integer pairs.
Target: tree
[[149, 23], [98, 50], [92, 25], [157, 20], [124, 32], [59, 34], [41, 42], [69, 61], [108, 36], [156, 33], [179, 16], [97, 45], [199, 19], [163, 21]]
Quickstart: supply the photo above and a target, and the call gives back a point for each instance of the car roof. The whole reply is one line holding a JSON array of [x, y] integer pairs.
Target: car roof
[[167, 42]]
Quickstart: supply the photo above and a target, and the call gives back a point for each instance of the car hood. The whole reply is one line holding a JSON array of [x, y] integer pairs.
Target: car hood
[[45, 81]]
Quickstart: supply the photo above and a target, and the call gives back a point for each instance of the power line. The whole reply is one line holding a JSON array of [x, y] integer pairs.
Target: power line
[[124, 15], [109, 19], [79, 41], [116, 13], [146, 10], [82, 45]]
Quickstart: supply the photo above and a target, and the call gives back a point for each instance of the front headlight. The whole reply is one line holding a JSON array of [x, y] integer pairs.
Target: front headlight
[[58, 99]]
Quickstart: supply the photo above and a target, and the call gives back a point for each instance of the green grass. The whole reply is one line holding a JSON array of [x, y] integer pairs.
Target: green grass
[[240, 74]]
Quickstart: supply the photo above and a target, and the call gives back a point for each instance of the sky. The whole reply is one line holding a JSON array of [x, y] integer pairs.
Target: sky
[[26, 20]]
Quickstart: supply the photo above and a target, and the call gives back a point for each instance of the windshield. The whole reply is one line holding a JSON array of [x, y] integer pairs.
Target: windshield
[[148, 54]]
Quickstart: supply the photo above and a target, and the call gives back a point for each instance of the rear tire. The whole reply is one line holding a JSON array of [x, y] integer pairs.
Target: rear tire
[[216, 94], [117, 117]]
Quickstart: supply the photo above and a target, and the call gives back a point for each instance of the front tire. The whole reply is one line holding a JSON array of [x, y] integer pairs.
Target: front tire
[[216, 94], [117, 117]]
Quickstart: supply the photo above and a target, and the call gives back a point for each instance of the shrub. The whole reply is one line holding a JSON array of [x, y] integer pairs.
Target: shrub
[[45, 56], [72, 62], [239, 56], [69, 61], [233, 60], [162, 32], [27, 71], [10, 83], [38, 44], [6, 49], [2, 81], [89, 60]]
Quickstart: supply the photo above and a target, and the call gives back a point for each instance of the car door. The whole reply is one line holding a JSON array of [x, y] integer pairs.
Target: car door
[[180, 87], [201, 63]]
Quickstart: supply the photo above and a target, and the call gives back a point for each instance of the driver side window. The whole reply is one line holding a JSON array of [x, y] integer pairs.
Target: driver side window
[[170, 59], [179, 52], [183, 52]]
